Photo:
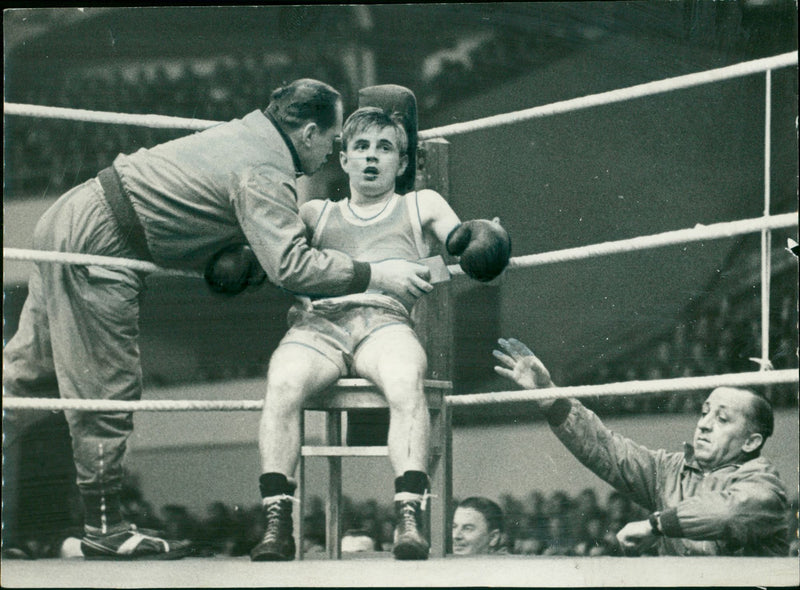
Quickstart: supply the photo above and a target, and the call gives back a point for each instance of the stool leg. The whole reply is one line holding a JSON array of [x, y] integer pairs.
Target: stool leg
[[447, 479], [438, 516], [433, 508], [301, 486], [333, 533]]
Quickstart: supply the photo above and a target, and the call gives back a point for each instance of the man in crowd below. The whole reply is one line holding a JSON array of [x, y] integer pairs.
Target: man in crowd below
[[718, 497], [369, 334], [478, 527], [222, 201]]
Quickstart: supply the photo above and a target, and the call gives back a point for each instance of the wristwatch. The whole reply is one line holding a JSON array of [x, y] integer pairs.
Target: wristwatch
[[655, 523]]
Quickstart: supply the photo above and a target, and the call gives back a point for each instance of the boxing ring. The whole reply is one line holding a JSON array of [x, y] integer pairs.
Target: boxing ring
[[511, 570]]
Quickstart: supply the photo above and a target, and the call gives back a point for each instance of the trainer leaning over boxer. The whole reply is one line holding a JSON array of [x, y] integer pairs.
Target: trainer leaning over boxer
[[718, 497], [222, 201]]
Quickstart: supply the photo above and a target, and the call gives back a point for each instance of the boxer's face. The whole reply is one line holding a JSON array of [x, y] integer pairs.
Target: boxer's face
[[373, 161], [723, 431], [471, 534]]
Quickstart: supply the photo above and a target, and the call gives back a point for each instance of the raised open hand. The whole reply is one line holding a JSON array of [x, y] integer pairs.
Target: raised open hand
[[520, 365]]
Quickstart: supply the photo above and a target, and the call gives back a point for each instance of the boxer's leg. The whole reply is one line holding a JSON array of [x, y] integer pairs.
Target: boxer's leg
[[394, 360], [306, 361]]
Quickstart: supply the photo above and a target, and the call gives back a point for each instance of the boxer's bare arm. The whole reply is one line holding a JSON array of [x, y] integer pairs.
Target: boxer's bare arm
[[436, 215]]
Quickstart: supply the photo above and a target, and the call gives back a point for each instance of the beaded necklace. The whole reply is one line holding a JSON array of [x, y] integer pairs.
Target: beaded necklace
[[389, 200]]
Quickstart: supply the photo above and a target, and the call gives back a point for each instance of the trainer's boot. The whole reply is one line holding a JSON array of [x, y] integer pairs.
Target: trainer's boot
[[409, 540], [125, 542], [277, 544]]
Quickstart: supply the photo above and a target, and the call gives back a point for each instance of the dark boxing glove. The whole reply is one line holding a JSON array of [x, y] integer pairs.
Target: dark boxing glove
[[484, 247], [234, 268]]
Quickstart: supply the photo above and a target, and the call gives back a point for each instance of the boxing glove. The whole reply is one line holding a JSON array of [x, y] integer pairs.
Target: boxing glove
[[484, 248], [234, 268]]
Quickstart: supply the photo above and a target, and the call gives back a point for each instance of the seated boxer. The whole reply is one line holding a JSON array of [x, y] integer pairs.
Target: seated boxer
[[369, 335]]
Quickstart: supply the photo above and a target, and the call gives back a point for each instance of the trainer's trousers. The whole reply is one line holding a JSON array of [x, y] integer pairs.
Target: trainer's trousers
[[78, 336]]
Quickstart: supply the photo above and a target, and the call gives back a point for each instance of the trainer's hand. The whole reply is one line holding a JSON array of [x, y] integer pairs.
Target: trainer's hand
[[400, 277], [520, 365], [636, 536]]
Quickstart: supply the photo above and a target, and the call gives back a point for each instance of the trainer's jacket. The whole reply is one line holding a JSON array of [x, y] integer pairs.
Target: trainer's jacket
[[394, 233], [232, 183], [736, 509]]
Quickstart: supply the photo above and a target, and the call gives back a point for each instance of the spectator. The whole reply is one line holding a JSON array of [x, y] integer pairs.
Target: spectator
[[135, 509], [478, 527], [619, 509], [559, 540], [529, 542], [357, 541], [178, 523], [593, 538], [216, 534], [794, 537], [314, 526]]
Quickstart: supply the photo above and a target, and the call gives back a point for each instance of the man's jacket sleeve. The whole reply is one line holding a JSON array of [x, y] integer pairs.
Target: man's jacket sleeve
[[266, 207], [626, 465], [751, 507]]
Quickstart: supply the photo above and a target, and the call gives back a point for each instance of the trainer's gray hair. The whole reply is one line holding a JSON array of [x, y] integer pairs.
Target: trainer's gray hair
[[303, 101]]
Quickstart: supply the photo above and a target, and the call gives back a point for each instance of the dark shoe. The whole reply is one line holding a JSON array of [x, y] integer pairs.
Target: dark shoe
[[409, 542], [126, 542], [277, 544]]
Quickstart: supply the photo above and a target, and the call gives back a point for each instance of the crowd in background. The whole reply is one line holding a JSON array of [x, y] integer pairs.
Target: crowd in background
[[721, 336], [53, 155], [558, 523], [56, 154]]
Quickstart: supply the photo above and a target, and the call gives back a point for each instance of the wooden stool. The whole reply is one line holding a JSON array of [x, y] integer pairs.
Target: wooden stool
[[359, 394]]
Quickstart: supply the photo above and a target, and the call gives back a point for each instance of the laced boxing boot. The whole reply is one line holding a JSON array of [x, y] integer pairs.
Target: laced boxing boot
[[107, 535], [409, 539], [125, 542], [277, 544]]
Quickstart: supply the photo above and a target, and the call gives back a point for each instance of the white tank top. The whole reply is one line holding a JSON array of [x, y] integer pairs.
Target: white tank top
[[393, 233]]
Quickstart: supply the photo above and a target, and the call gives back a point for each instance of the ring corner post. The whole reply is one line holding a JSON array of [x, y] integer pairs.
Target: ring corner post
[[433, 320]]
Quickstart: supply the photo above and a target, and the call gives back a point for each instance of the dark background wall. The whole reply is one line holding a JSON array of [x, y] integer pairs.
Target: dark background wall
[[644, 166]]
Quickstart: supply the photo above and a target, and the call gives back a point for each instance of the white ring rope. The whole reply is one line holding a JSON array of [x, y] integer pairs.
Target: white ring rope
[[500, 397], [613, 96], [574, 104], [630, 387], [154, 121], [697, 233], [92, 260]]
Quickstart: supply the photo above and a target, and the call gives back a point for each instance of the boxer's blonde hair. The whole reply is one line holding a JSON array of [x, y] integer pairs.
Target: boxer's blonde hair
[[367, 117]]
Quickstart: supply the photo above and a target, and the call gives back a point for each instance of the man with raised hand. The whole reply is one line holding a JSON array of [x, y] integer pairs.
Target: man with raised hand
[[719, 496]]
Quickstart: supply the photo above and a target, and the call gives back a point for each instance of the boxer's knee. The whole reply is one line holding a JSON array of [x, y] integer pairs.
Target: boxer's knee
[[403, 387]]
